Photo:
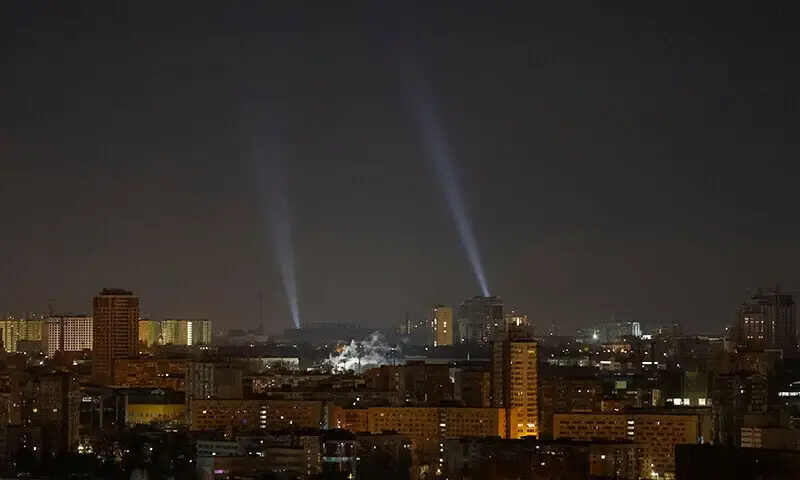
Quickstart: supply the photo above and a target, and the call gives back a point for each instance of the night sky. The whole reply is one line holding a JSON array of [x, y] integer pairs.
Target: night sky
[[629, 158]]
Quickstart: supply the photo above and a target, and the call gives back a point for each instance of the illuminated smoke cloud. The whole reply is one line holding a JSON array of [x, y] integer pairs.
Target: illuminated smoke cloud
[[360, 356], [422, 107]]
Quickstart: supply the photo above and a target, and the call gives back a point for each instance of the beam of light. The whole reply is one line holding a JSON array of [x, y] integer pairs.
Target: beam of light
[[420, 103], [270, 168]]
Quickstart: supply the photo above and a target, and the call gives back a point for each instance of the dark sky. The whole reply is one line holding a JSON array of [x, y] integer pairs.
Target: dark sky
[[630, 158]]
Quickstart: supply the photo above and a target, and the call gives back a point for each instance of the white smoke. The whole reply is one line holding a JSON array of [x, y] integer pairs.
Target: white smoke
[[360, 356]]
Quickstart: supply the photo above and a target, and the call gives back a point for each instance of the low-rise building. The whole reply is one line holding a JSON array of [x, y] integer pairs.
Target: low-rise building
[[520, 458], [156, 406], [425, 426], [219, 414], [167, 373], [658, 432]]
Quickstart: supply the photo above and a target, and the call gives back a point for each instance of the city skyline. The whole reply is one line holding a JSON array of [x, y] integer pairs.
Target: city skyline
[[449, 240], [633, 161]]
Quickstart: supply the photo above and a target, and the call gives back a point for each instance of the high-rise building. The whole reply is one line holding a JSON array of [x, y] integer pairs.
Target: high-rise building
[[185, 332], [14, 330], [115, 332], [479, 318], [515, 378], [149, 332], [616, 331], [50, 400], [767, 320], [514, 319], [442, 325], [77, 334]]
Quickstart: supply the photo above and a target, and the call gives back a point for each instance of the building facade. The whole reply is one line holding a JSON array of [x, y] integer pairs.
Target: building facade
[[658, 432], [767, 320], [425, 426], [567, 390], [49, 401], [513, 319], [13, 330], [616, 331], [149, 332], [185, 332], [515, 379], [221, 414], [733, 396], [442, 325], [473, 388], [479, 318], [115, 332], [77, 334], [151, 372]]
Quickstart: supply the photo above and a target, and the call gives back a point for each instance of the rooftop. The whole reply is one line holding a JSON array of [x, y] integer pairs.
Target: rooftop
[[115, 291]]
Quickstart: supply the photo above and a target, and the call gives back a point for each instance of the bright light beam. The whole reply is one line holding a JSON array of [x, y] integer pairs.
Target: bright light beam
[[421, 105], [273, 180]]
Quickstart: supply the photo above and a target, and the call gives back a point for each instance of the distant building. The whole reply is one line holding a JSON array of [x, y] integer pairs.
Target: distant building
[[149, 332], [588, 335], [115, 332], [442, 325], [513, 319], [515, 379], [185, 332], [14, 330], [698, 353], [767, 320], [616, 331], [77, 334], [479, 318]]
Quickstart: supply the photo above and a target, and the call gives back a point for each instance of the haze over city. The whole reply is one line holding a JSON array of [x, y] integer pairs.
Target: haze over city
[[473, 240], [633, 159]]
